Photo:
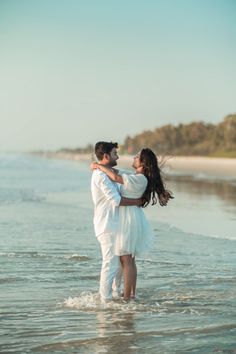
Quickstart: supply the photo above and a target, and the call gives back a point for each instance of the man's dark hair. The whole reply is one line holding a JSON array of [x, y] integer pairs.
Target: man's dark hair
[[103, 147]]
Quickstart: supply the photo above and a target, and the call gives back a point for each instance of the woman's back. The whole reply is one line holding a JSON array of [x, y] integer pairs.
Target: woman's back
[[134, 232], [134, 185]]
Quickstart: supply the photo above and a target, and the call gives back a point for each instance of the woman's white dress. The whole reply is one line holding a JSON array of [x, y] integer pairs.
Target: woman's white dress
[[134, 232]]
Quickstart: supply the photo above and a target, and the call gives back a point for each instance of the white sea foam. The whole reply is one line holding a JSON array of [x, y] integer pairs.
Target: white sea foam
[[91, 302], [77, 257]]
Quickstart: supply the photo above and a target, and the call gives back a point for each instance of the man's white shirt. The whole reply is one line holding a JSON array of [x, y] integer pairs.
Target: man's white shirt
[[106, 199]]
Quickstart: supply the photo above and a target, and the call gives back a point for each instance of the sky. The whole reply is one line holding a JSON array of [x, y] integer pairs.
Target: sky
[[73, 72]]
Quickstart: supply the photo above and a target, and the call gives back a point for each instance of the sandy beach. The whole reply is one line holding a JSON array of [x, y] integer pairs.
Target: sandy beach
[[189, 165], [192, 165], [51, 261], [209, 166]]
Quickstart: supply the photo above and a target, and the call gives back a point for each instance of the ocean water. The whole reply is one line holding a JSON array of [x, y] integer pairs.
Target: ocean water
[[50, 264]]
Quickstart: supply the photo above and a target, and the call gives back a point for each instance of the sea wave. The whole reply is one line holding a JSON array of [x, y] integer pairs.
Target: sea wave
[[33, 254]]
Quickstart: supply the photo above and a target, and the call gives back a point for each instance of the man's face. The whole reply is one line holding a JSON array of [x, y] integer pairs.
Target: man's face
[[113, 156]]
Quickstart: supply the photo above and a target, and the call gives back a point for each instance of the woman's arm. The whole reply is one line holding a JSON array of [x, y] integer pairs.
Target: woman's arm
[[112, 174]]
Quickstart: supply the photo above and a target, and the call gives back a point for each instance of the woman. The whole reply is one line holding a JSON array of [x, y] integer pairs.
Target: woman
[[134, 233]]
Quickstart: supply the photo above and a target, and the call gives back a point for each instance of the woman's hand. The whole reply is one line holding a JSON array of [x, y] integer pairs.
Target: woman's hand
[[94, 165]]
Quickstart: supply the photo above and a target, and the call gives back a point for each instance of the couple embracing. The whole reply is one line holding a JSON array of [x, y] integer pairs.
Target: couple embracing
[[119, 221]]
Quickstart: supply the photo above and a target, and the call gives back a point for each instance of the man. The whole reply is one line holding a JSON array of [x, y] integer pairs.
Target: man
[[107, 200]]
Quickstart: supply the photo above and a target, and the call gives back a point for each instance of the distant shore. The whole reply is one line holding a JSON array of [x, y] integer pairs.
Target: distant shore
[[195, 165], [189, 165]]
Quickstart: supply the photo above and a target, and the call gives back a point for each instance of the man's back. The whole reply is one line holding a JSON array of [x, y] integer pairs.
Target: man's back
[[106, 199]]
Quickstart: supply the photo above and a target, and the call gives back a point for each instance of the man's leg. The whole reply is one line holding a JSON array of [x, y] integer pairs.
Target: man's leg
[[110, 265], [116, 285]]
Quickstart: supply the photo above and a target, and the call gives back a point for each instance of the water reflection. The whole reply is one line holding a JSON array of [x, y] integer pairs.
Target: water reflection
[[117, 331], [203, 207], [223, 189]]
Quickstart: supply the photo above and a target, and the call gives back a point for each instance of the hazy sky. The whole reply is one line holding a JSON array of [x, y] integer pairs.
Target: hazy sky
[[76, 71]]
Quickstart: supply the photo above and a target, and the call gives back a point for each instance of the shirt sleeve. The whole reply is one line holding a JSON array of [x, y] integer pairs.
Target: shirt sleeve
[[134, 182], [109, 189]]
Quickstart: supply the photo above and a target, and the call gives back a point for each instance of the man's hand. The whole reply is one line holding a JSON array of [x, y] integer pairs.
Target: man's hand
[[131, 202], [139, 202]]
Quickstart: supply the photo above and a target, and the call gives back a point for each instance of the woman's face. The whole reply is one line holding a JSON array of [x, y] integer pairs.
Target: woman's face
[[136, 162]]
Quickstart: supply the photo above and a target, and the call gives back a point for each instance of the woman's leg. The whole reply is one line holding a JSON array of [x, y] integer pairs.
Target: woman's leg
[[128, 271], [133, 288]]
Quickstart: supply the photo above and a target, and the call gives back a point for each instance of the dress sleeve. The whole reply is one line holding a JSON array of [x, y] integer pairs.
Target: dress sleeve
[[134, 182]]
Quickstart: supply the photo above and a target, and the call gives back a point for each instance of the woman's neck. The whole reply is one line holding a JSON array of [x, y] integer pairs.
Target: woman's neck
[[139, 170]]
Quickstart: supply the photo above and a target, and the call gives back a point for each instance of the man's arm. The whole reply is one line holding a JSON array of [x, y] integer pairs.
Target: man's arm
[[130, 202]]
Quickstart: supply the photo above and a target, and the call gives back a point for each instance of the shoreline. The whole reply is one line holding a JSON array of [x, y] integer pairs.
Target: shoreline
[[222, 168]]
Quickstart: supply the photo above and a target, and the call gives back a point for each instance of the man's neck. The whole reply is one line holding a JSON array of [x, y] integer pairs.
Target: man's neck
[[104, 163]]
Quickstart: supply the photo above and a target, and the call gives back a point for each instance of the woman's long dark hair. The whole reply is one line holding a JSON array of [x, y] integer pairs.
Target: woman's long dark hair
[[155, 190]]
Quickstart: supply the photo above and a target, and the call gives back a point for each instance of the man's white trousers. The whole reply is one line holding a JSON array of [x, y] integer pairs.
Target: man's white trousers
[[111, 269]]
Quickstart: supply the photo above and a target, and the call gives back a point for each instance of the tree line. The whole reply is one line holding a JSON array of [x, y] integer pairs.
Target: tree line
[[196, 138]]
